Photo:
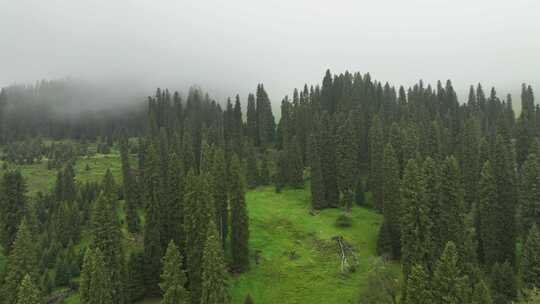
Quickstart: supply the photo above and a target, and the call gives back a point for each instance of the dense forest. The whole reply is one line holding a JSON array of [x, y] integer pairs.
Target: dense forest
[[455, 184]]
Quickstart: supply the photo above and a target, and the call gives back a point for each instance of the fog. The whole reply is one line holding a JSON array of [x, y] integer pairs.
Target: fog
[[227, 47]]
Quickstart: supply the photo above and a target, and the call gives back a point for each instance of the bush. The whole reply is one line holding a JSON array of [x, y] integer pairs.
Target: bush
[[343, 221]]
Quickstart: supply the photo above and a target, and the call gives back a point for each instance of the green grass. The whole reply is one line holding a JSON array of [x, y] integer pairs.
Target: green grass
[[281, 224]]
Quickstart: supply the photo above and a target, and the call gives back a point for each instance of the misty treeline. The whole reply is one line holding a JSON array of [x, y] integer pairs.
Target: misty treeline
[[59, 109], [457, 185]]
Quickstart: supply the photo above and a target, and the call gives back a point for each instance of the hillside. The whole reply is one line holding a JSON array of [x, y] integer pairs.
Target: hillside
[[294, 259]]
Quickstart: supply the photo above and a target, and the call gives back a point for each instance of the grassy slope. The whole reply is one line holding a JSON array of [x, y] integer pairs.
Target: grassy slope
[[280, 224]]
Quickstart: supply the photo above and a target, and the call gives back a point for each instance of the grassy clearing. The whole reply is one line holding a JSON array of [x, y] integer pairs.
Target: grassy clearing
[[299, 263]]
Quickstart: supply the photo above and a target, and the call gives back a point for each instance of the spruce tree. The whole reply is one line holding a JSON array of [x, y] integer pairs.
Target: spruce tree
[[376, 147], [346, 156], [12, 204], [416, 240], [214, 274], [317, 182], [531, 258], [174, 205], [251, 124], [392, 210], [503, 283], [452, 213], [294, 167], [529, 192], [328, 161], [471, 160], [130, 189], [252, 170], [199, 211], [220, 188], [481, 294], [107, 237], [22, 261], [449, 284], [248, 299], [135, 286], [173, 278], [485, 218], [28, 293], [153, 229], [239, 221], [265, 170], [419, 289]]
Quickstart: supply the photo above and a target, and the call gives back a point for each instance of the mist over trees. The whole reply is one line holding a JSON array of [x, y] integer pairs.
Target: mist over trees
[[455, 185]]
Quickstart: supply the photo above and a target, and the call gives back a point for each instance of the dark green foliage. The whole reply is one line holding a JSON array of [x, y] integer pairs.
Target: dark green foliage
[[347, 163], [449, 284], [389, 242], [471, 160], [529, 192], [12, 206], [239, 220], [199, 212], [327, 151], [135, 286], [214, 274], [485, 219], [265, 170], [248, 299], [107, 238], [359, 195], [481, 294], [251, 125], [266, 124], [252, 170], [503, 283], [220, 191], [294, 165], [416, 241], [22, 261], [130, 188], [173, 207], [419, 290], [531, 258], [451, 225], [343, 221], [153, 231], [317, 182], [383, 285], [173, 278], [28, 293], [376, 147], [96, 282]]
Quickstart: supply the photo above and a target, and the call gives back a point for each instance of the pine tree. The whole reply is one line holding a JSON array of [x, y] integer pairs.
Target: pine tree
[[346, 155], [135, 285], [392, 205], [174, 205], [317, 182], [251, 124], [530, 192], [481, 294], [471, 160], [239, 221], [376, 147], [265, 170], [214, 275], [328, 161], [266, 124], [96, 283], [153, 229], [173, 278], [28, 293], [199, 212], [220, 189], [485, 218], [12, 204], [22, 261], [252, 170], [531, 258], [452, 213], [130, 189], [295, 167], [107, 237], [418, 287], [503, 283], [449, 284], [416, 240]]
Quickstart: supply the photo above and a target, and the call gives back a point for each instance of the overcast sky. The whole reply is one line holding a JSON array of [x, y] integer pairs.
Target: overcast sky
[[227, 47]]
